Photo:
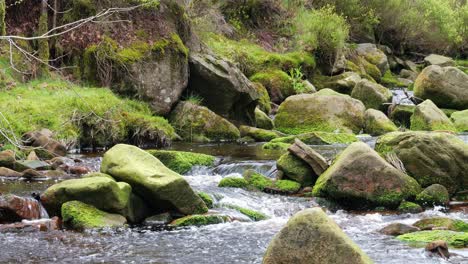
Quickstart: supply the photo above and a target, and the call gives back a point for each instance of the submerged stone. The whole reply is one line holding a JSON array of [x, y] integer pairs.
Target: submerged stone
[[397, 229], [199, 220]]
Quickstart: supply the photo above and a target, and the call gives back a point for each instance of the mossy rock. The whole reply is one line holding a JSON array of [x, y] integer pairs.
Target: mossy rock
[[313, 112], [252, 214], [343, 83], [80, 216], [421, 238], [377, 123], [276, 146], [233, 182], [442, 222], [401, 115], [392, 81], [264, 103], [409, 207], [260, 135], [428, 117], [460, 120], [287, 186], [207, 199], [435, 194], [278, 83], [296, 169], [199, 220], [257, 180], [263, 120], [97, 174], [319, 138], [373, 95], [181, 161]]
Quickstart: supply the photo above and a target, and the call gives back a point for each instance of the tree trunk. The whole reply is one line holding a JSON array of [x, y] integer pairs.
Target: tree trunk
[[2, 18], [43, 49]]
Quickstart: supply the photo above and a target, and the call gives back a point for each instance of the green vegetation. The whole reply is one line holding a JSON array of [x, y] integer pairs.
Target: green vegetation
[[252, 214], [207, 199], [78, 215], [421, 238], [391, 81], [275, 146], [287, 186], [181, 161], [89, 116], [234, 182], [319, 138], [199, 220], [409, 207]]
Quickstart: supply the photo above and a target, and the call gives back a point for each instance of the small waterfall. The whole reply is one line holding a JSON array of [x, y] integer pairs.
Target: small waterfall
[[43, 214], [401, 96], [264, 167]]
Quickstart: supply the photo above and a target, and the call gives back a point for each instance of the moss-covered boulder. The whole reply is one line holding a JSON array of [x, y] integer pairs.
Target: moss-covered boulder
[[319, 138], [373, 95], [233, 182], [257, 180], [101, 192], [278, 84], [199, 220], [260, 135], [409, 207], [310, 236], [293, 168], [315, 112], [401, 114], [428, 117], [199, 124], [460, 120], [224, 88], [435, 194], [377, 123], [263, 120], [207, 199], [79, 216], [429, 157], [343, 83], [371, 53], [97, 174], [276, 146], [264, 102], [446, 87], [421, 238], [160, 187], [286, 186], [359, 176], [181, 161], [442, 222]]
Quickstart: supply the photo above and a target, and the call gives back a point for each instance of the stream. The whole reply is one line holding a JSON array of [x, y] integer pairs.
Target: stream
[[236, 242]]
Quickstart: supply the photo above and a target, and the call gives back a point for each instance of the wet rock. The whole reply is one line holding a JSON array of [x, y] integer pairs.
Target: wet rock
[[275, 146], [439, 248], [252, 214], [310, 236], [446, 87], [14, 208], [409, 207], [31, 165], [360, 175], [181, 161], [223, 87], [308, 155], [79, 216], [43, 139], [199, 220], [428, 117], [58, 162], [460, 120], [260, 135], [207, 199], [439, 60], [421, 238], [373, 95], [199, 124], [32, 174], [103, 193], [7, 158], [159, 186], [233, 182], [158, 220], [319, 138], [263, 120], [429, 157], [397, 229], [435, 194], [294, 168], [377, 123], [442, 223], [5, 172], [314, 112], [44, 225]]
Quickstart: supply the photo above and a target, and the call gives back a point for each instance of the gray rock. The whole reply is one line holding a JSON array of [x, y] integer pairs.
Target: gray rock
[[439, 60]]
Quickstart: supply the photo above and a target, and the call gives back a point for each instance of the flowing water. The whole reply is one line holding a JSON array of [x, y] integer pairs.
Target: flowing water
[[236, 242]]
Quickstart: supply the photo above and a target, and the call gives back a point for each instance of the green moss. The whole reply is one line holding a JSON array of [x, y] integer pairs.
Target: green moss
[[264, 103], [421, 238], [91, 116], [199, 220], [409, 207], [296, 169], [234, 182], [207, 199], [418, 123], [180, 161], [80, 216], [275, 146], [252, 214], [391, 80], [435, 194], [319, 138], [460, 120], [278, 83], [261, 135], [287, 186], [442, 222], [257, 180], [97, 174]]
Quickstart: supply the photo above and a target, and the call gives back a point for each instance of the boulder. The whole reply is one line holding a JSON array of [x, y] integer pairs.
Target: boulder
[[377, 123], [427, 116], [223, 87], [260, 135], [197, 123], [181, 161], [233, 182], [314, 112], [373, 95], [41, 225], [264, 102], [103, 193], [158, 220], [43, 139], [435, 194], [442, 223], [343, 83], [14, 208], [263, 120], [439, 60], [310, 236], [409, 74], [309, 156], [278, 84], [401, 114], [421, 238], [8, 173], [397, 229], [460, 120], [360, 177], [439, 248], [79, 216], [429, 157], [409, 207], [7, 158], [373, 55], [294, 168], [199, 220], [446, 87], [160, 187], [319, 138]]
